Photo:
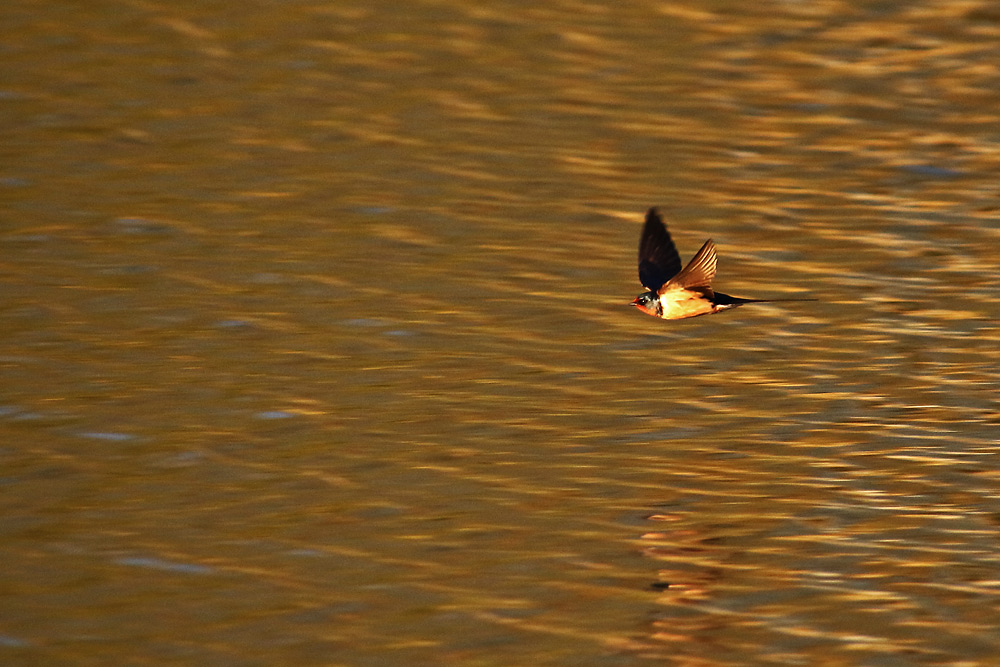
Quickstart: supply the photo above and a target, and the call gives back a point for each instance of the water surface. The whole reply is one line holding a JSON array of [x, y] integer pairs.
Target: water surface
[[315, 347]]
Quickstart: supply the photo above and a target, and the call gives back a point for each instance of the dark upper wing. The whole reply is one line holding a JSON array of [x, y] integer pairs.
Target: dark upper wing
[[658, 258]]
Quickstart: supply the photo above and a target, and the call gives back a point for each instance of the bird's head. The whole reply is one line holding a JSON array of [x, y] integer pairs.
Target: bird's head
[[649, 303]]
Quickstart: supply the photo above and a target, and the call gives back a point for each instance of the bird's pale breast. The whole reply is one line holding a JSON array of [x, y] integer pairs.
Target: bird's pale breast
[[680, 303]]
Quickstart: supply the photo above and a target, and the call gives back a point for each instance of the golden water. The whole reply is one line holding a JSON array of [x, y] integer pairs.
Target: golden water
[[316, 348]]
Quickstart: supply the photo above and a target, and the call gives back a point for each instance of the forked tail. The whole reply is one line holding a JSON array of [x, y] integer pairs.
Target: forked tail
[[726, 300]]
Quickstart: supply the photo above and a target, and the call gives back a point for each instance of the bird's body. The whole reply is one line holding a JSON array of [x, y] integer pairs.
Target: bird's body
[[676, 293]]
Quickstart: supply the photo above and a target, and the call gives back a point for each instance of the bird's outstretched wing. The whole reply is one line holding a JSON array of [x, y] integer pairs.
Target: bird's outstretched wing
[[699, 272], [658, 258]]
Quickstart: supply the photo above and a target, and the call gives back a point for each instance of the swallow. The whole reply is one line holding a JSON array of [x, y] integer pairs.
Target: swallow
[[676, 293]]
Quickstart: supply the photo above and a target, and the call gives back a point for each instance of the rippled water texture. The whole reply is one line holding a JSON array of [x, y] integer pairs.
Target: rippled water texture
[[316, 347]]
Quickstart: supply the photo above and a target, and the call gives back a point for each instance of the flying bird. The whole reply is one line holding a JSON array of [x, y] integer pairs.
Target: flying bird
[[676, 293]]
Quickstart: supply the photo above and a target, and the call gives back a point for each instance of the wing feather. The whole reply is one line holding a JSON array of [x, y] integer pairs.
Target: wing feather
[[658, 258], [699, 272]]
